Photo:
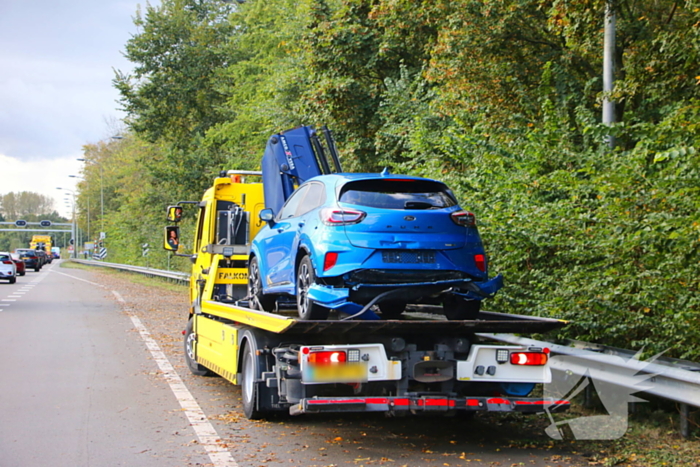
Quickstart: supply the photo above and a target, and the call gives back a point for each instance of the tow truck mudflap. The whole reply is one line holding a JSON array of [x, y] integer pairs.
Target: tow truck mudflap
[[425, 404]]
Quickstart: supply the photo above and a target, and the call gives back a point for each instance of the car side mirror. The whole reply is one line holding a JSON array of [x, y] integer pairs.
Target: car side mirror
[[267, 215]]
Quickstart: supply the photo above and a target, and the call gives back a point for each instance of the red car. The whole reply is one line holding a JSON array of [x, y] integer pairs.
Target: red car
[[21, 269]]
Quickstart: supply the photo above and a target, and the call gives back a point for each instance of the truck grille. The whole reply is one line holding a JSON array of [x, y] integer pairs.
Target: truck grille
[[408, 257]]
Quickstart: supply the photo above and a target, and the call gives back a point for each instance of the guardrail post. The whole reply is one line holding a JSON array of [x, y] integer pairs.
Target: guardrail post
[[588, 394], [685, 422]]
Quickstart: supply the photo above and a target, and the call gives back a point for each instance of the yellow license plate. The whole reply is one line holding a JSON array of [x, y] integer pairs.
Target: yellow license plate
[[343, 373]]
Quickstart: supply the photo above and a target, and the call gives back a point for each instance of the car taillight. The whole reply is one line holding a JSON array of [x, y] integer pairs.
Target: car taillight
[[464, 218], [7, 262], [528, 358], [331, 216], [330, 260], [327, 357], [480, 261]]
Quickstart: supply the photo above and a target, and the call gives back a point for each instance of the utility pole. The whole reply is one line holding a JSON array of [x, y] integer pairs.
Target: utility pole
[[609, 68]]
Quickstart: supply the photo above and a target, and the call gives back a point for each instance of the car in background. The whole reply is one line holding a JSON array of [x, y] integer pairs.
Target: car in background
[[56, 252], [19, 264], [30, 258], [45, 258], [349, 241], [8, 270]]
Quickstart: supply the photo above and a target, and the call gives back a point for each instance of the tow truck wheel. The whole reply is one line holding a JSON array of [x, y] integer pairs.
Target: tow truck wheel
[[308, 309], [457, 308], [249, 389], [255, 291], [190, 339]]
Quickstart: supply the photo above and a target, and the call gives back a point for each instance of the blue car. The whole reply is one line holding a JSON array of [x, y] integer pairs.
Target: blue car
[[346, 242]]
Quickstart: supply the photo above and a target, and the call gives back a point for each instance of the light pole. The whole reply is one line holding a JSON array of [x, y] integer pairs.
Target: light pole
[[73, 231], [102, 195], [88, 204]]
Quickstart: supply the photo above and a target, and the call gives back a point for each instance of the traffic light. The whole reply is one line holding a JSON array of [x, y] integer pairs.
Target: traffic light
[[45, 223], [72, 242]]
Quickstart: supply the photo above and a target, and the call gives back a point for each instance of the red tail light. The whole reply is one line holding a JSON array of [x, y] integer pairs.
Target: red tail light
[[330, 260], [464, 218], [480, 261], [528, 358], [327, 357], [7, 262], [331, 216]]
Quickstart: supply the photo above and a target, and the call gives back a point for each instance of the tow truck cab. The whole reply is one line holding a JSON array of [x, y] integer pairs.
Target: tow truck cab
[[228, 216]]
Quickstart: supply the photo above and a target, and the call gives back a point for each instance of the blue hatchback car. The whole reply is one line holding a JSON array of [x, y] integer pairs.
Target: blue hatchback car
[[346, 242]]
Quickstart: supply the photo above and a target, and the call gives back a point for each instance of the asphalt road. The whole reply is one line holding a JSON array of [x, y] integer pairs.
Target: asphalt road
[[76, 386], [92, 375]]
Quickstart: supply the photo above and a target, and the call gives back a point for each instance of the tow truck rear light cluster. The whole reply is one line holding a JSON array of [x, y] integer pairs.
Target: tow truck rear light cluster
[[331, 216], [463, 218], [528, 358], [329, 357]]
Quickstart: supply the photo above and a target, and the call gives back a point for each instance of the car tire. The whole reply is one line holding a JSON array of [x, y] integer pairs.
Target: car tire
[[457, 308], [258, 300], [190, 338], [13, 280], [308, 309], [391, 309], [36, 268]]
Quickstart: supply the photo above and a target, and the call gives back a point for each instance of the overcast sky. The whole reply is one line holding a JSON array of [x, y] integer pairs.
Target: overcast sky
[[56, 68]]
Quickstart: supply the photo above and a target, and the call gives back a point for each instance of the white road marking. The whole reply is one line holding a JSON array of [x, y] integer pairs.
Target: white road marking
[[208, 437], [9, 299]]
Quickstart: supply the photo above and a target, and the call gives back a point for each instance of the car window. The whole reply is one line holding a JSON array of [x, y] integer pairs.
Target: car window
[[4, 257], [398, 194], [315, 197], [290, 207]]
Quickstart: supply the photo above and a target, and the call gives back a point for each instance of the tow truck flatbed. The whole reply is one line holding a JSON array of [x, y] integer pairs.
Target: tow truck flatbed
[[414, 324]]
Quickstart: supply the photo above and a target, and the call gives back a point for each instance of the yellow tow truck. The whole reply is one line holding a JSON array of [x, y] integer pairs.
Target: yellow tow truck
[[398, 366]]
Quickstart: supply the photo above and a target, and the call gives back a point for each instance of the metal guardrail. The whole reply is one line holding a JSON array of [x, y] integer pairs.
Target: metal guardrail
[[173, 275], [667, 378], [671, 379]]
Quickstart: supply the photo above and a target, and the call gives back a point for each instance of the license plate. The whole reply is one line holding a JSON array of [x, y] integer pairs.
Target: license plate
[[344, 373]]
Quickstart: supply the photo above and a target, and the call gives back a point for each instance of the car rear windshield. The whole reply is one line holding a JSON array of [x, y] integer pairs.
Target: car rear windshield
[[26, 252], [398, 194]]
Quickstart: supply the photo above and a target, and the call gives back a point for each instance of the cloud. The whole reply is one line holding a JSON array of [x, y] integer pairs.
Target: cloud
[[57, 61], [41, 176]]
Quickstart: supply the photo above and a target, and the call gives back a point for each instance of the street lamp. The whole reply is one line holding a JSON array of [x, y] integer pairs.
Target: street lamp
[[102, 194], [73, 230], [88, 204]]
